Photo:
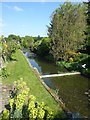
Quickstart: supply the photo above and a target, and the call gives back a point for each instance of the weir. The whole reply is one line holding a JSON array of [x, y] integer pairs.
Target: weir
[[57, 75], [64, 84]]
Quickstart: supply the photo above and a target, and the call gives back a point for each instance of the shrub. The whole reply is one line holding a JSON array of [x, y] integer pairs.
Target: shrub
[[24, 107], [5, 115], [4, 73], [70, 59], [8, 49]]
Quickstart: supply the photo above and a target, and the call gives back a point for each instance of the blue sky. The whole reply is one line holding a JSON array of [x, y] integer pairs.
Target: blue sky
[[26, 18]]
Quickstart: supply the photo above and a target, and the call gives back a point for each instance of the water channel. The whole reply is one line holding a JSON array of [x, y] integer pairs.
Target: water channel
[[70, 88]]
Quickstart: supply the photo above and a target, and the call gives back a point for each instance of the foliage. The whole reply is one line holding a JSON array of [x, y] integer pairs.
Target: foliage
[[82, 59], [8, 48], [16, 39], [71, 59], [17, 103], [36, 45], [27, 42], [4, 73], [88, 29], [66, 29], [5, 115], [75, 56], [44, 47], [37, 38], [36, 88]]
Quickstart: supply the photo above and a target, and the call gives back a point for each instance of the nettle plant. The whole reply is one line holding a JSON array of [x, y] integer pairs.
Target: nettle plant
[[23, 106]]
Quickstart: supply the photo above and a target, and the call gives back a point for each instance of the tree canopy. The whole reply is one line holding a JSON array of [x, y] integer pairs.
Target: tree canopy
[[66, 29]]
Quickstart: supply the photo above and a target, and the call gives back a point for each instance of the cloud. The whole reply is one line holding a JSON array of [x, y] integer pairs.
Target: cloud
[[16, 8]]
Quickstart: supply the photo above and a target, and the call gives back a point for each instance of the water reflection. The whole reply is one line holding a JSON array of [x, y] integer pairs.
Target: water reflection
[[71, 88]]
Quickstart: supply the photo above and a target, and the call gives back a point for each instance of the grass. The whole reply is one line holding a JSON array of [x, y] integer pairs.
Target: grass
[[21, 69]]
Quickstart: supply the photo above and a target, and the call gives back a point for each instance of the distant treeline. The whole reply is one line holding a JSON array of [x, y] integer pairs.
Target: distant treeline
[[68, 32]]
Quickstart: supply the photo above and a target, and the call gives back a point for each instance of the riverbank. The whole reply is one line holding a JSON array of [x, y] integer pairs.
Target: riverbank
[[70, 89], [21, 69]]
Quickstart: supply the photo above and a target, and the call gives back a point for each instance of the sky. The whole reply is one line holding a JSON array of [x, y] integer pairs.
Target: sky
[[26, 18]]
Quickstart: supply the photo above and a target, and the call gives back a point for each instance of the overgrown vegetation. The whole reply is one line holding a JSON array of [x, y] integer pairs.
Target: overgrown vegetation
[[8, 48], [88, 29], [66, 30], [20, 69], [4, 73], [82, 65], [68, 34], [23, 106], [68, 44]]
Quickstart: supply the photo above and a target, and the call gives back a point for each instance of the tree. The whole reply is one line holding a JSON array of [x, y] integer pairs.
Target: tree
[[66, 29], [37, 38], [15, 38], [28, 42], [44, 47], [88, 29], [1, 38]]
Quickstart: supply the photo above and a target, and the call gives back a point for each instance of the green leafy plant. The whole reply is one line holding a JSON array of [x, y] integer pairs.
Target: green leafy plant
[[24, 106], [4, 73], [5, 115]]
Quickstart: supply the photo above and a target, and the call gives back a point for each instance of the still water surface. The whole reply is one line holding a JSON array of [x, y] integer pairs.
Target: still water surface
[[70, 88]]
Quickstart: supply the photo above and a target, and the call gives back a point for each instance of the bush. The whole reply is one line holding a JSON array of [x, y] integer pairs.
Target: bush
[[76, 56], [23, 106], [5, 115], [71, 59], [80, 57], [4, 73], [8, 50]]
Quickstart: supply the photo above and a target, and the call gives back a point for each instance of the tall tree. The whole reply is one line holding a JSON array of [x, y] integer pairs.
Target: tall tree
[[44, 47], [66, 29], [88, 28], [28, 42]]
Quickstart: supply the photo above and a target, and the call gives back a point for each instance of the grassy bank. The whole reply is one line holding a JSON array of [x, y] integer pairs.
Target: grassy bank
[[20, 69]]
